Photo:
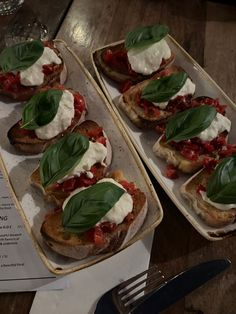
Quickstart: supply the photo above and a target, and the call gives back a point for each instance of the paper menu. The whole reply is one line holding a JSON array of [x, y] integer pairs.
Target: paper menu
[[21, 268]]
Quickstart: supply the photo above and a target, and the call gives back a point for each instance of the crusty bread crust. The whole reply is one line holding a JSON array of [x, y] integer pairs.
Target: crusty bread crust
[[120, 77], [58, 76], [79, 246], [34, 145], [58, 196], [172, 156], [137, 114], [210, 215]]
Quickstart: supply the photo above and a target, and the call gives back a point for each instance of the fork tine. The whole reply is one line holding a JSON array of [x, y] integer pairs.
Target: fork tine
[[146, 289], [123, 295], [126, 283], [125, 292], [154, 276]]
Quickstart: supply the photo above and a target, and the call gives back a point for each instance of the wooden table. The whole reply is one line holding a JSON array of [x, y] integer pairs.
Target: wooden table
[[207, 31]]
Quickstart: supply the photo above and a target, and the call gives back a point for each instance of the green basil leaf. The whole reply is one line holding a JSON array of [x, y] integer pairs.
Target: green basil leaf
[[87, 207], [164, 88], [61, 157], [143, 36], [41, 109], [21, 56], [221, 187], [189, 123]]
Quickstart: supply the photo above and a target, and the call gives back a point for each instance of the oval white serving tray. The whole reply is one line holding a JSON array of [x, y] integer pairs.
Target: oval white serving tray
[[144, 140], [17, 167]]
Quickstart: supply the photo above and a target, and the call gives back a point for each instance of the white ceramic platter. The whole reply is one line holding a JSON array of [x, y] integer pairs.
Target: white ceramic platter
[[144, 140], [17, 167]]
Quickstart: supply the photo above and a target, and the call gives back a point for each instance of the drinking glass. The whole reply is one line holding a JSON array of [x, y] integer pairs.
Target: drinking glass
[[10, 6], [18, 31]]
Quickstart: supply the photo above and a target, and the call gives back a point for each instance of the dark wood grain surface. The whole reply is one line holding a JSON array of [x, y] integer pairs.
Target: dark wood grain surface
[[207, 30]]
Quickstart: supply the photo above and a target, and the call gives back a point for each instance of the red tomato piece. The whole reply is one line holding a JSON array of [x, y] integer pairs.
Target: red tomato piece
[[96, 236], [108, 226], [171, 172], [189, 153], [125, 86], [200, 188]]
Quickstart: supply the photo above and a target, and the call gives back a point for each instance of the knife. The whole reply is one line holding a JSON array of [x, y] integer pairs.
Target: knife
[[180, 285], [172, 290]]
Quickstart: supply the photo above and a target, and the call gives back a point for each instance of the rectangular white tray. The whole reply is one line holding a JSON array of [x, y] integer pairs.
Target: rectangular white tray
[[144, 140], [18, 167]]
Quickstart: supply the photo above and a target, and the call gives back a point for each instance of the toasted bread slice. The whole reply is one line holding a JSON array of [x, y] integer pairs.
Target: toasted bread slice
[[58, 75], [53, 194], [119, 76], [172, 156], [210, 215], [80, 246], [137, 114], [26, 141]]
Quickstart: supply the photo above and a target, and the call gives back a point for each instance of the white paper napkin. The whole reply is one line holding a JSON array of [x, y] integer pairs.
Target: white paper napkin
[[88, 285]]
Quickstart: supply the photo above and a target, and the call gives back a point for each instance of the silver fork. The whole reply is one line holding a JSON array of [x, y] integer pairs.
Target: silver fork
[[129, 294]]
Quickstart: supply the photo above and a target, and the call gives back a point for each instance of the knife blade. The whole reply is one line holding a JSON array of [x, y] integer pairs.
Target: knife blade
[[180, 285]]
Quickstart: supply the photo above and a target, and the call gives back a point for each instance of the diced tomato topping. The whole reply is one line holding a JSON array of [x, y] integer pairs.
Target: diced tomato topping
[[48, 43], [96, 236], [69, 185], [93, 170], [48, 69], [209, 101], [11, 82], [200, 188], [209, 163], [107, 56], [147, 106], [160, 128], [129, 218], [125, 86], [95, 133], [108, 226], [118, 60], [228, 150], [208, 147], [129, 186], [166, 71], [189, 153], [24, 132], [77, 182], [193, 148], [85, 181], [179, 103], [171, 172], [102, 140], [219, 142], [79, 103], [154, 111]]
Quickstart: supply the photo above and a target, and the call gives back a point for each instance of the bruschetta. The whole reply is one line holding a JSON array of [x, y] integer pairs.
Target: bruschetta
[[212, 194], [143, 53], [155, 100], [27, 67], [47, 117], [105, 217], [191, 136], [84, 156]]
